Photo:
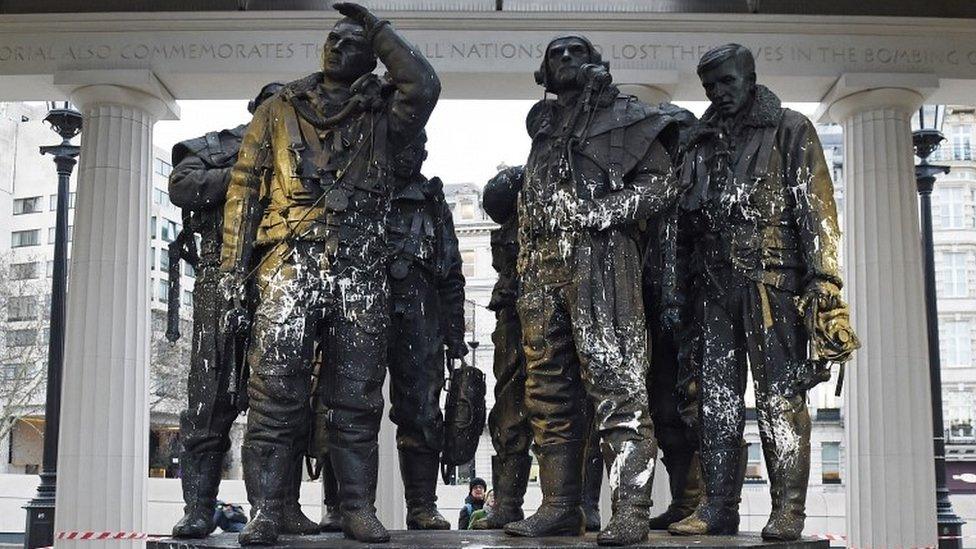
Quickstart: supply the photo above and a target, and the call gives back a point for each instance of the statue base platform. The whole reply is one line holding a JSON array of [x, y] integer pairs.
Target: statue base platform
[[414, 539]]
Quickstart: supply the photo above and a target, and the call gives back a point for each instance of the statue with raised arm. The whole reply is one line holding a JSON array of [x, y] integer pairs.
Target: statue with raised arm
[[306, 218]]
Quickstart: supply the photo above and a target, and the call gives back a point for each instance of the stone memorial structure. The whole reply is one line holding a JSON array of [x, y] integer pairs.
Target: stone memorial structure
[[125, 72]]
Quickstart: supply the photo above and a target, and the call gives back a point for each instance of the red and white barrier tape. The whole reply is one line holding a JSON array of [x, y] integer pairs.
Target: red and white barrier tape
[[95, 536]]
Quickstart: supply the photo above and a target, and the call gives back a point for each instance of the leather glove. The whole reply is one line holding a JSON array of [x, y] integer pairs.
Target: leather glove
[[235, 320], [358, 14], [825, 293]]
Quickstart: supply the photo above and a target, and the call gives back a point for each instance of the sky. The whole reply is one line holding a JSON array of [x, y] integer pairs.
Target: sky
[[466, 140]]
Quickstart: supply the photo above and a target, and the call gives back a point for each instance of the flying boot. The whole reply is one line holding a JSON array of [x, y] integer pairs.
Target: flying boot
[[418, 469], [718, 512], [788, 476], [510, 476], [332, 518], [560, 475], [592, 481], [631, 475], [294, 521], [268, 471], [684, 477], [356, 467], [200, 477]]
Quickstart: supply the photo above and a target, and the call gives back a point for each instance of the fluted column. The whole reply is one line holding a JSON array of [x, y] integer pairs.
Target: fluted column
[[105, 418], [891, 484]]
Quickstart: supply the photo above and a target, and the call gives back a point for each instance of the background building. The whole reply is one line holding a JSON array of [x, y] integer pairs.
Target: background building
[[28, 187]]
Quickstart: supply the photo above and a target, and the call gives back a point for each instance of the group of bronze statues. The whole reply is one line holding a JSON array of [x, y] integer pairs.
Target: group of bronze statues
[[646, 260]]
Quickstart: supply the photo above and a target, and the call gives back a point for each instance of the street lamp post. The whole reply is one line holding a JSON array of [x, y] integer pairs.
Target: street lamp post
[[40, 511], [926, 140]]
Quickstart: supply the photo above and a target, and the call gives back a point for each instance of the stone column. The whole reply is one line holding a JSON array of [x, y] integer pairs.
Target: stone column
[[103, 457], [891, 481]]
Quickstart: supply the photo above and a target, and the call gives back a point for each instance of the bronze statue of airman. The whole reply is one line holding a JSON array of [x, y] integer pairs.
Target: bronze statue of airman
[[306, 217]]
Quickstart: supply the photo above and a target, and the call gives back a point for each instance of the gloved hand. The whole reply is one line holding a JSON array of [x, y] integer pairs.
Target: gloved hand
[[358, 14], [235, 320], [825, 293]]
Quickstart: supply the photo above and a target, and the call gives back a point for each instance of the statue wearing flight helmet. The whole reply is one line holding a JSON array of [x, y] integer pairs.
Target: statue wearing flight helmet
[[599, 166]]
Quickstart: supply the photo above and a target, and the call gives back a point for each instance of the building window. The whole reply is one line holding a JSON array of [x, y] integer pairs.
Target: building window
[[162, 167], [962, 142], [21, 338], [160, 196], [49, 269], [27, 205], [187, 298], [188, 270], [468, 259], [169, 230], [754, 462], [467, 210], [53, 201], [20, 239], [830, 462], [51, 234], [163, 290], [469, 316], [23, 271], [952, 274], [22, 308], [152, 227], [950, 203], [956, 344], [163, 261]]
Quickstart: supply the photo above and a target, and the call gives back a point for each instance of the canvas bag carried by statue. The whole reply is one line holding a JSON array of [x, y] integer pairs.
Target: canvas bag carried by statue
[[464, 416]]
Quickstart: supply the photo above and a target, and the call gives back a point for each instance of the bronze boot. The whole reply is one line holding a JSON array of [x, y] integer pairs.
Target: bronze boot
[[510, 475], [685, 481], [418, 469], [294, 521], [631, 475], [200, 477], [268, 471], [560, 475], [718, 512], [356, 468], [592, 482], [789, 474], [332, 517]]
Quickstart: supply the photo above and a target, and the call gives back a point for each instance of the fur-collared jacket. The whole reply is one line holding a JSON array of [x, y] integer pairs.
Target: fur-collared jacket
[[759, 199], [587, 193]]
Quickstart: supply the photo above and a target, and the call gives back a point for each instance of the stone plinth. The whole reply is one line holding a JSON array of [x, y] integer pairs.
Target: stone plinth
[[497, 539]]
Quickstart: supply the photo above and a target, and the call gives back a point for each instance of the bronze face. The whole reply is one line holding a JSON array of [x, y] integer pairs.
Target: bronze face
[[564, 58], [408, 161], [728, 87], [347, 54]]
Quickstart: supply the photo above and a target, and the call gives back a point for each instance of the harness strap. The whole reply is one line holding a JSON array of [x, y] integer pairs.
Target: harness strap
[[615, 167]]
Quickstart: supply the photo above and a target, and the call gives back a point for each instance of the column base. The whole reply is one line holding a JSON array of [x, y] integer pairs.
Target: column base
[[417, 539]]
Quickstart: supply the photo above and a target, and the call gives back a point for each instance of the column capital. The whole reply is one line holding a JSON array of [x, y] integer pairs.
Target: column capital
[[858, 92], [138, 88]]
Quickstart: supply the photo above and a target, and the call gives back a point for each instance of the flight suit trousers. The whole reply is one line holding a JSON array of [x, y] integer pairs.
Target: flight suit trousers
[[747, 324], [300, 299]]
